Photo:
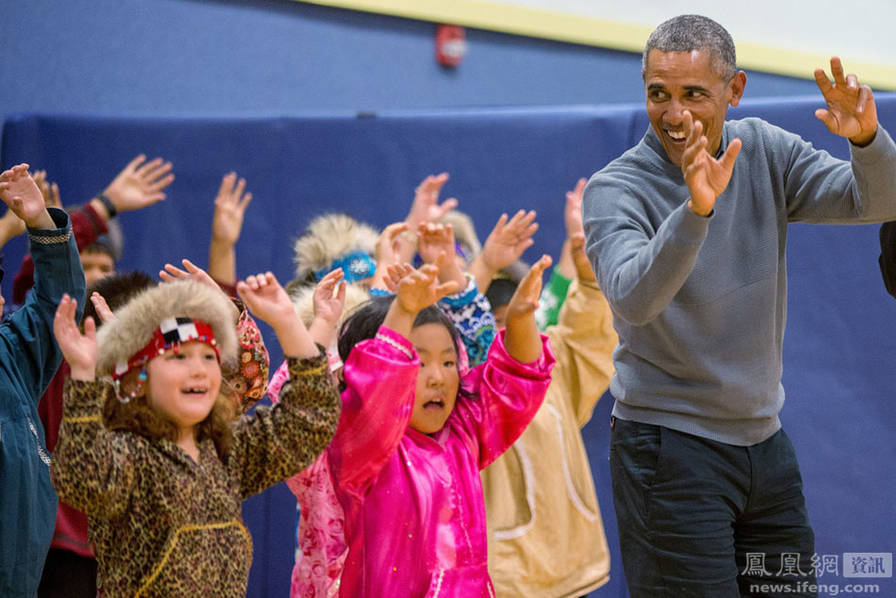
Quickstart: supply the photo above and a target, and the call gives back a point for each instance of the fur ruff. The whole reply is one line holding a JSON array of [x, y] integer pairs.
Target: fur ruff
[[135, 323], [328, 238]]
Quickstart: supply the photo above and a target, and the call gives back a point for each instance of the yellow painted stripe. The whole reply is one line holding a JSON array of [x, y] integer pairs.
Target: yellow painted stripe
[[566, 27]]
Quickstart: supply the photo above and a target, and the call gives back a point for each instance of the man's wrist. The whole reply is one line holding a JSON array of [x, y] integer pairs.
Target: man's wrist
[[864, 139]]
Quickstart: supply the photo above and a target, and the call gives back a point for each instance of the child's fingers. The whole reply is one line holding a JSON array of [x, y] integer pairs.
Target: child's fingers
[[441, 262], [447, 288], [332, 277], [431, 271], [174, 271], [532, 278], [501, 223], [190, 266], [542, 264], [89, 328], [102, 308]]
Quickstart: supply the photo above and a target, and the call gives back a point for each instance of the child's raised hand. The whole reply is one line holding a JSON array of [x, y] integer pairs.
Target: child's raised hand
[[140, 184], [329, 297], [584, 272], [572, 213], [386, 249], [78, 349], [230, 208], [265, 298], [394, 274], [19, 191], [421, 287], [521, 337], [426, 206], [525, 298], [434, 238], [191, 271], [103, 311], [269, 301], [418, 289], [510, 238], [387, 253]]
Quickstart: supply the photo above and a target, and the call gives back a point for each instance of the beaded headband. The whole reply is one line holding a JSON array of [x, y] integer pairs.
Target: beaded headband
[[170, 334]]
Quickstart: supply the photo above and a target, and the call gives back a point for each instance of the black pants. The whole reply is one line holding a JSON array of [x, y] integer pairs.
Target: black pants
[[67, 575], [699, 518]]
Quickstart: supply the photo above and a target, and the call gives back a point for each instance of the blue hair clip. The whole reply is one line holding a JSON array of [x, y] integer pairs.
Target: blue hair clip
[[355, 266]]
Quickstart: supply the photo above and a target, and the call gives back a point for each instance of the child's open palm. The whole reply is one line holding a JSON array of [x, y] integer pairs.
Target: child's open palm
[[266, 299], [78, 349], [329, 297], [525, 298], [433, 239], [421, 287], [19, 191]]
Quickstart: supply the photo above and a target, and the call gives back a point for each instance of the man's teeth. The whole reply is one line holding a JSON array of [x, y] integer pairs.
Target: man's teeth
[[676, 135]]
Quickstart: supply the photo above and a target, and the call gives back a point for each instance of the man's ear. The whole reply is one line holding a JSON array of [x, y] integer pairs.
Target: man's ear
[[737, 85]]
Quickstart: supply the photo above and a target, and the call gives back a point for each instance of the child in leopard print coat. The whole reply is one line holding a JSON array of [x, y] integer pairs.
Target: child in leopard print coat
[[154, 458]]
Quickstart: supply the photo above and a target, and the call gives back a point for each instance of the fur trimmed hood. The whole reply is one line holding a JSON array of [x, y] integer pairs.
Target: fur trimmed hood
[[328, 238], [136, 321]]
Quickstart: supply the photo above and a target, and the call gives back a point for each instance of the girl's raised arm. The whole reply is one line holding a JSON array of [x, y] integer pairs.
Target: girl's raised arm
[[521, 338]]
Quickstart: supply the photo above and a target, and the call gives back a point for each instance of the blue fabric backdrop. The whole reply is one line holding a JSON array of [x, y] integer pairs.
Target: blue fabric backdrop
[[839, 348]]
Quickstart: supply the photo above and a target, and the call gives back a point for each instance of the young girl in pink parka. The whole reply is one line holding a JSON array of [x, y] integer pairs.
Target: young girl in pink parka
[[414, 433]]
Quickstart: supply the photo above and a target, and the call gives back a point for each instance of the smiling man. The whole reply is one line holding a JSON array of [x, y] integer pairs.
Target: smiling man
[[686, 232]]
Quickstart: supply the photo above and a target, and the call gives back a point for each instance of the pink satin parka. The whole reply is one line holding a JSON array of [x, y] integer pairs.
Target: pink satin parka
[[414, 515]]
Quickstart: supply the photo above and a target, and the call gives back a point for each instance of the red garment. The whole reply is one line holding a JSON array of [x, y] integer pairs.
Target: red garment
[[87, 225], [71, 524]]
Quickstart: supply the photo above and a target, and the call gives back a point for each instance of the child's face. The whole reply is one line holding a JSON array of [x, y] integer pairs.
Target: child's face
[[438, 379], [97, 266], [183, 386], [500, 314]]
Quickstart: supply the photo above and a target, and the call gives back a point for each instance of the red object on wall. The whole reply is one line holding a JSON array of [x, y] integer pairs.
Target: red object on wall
[[451, 45]]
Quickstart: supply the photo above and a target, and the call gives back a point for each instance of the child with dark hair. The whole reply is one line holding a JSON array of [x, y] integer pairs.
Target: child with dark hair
[[416, 429], [156, 460]]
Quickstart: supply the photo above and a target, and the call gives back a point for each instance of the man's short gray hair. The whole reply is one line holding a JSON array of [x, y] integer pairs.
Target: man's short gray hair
[[686, 33]]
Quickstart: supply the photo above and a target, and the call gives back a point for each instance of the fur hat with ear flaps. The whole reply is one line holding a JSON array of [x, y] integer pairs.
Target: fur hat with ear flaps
[[328, 239], [135, 323]]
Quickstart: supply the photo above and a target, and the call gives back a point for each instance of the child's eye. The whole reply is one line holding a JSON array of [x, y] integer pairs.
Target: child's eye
[[209, 356], [449, 364]]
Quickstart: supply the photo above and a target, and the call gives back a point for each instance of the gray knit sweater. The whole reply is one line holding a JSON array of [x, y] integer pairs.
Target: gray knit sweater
[[700, 303]]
